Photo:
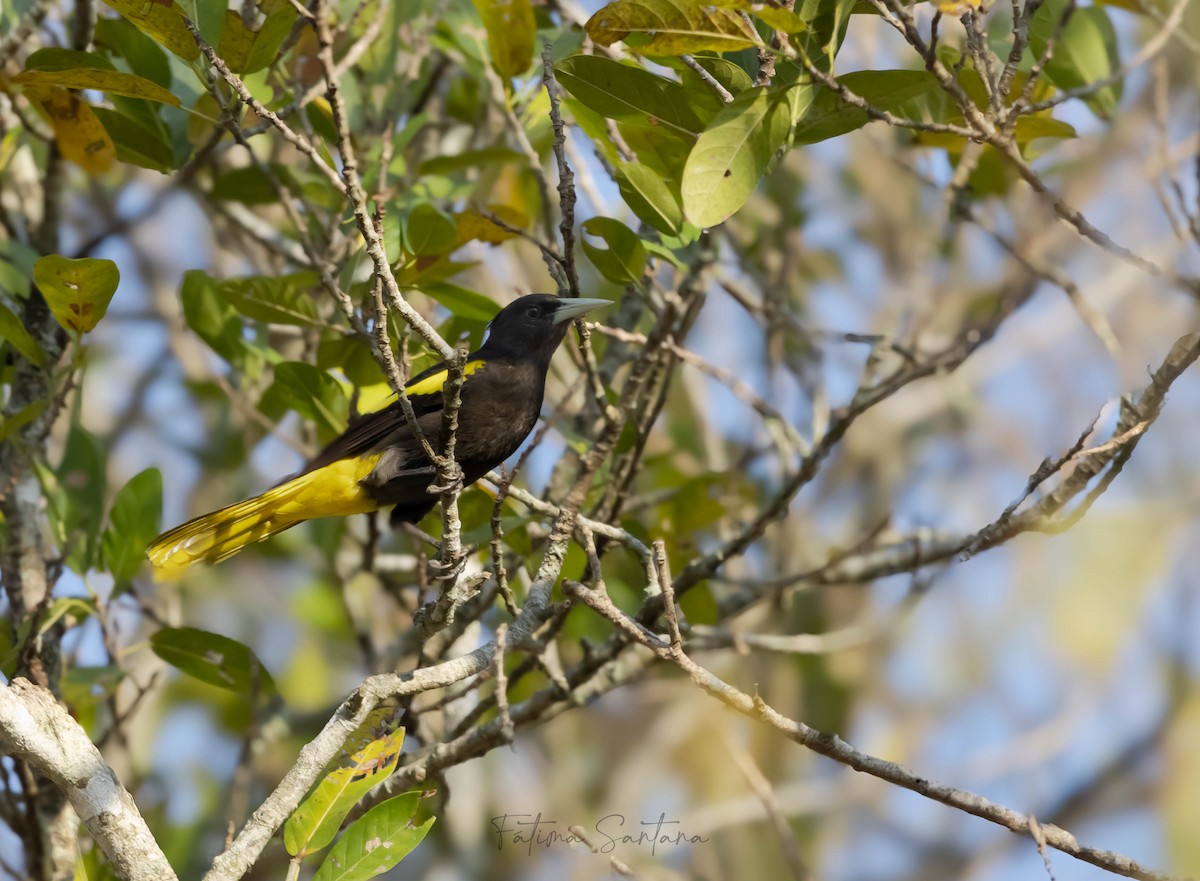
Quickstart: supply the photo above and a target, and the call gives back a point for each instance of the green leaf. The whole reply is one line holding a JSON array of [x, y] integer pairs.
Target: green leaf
[[1083, 53], [114, 82], [249, 185], [78, 498], [16, 265], [136, 143], [247, 51], [207, 16], [212, 658], [624, 260], [21, 418], [144, 57], [89, 686], [649, 197], [659, 148], [827, 21], [312, 393], [339, 351], [283, 299], [733, 153], [55, 59], [731, 76], [374, 751], [382, 837], [430, 231], [622, 91], [830, 116], [77, 607], [210, 316], [163, 22], [77, 291], [133, 524], [511, 30], [469, 159], [14, 331], [281, 17], [674, 27], [460, 301]]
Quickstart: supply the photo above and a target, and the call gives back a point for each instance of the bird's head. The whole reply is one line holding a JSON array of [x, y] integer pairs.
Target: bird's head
[[535, 324]]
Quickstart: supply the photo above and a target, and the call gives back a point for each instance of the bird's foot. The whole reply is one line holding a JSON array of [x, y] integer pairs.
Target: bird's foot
[[452, 482], [448, 570]]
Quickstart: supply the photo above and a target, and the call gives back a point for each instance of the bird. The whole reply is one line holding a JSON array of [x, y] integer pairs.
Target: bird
[[379, 461]]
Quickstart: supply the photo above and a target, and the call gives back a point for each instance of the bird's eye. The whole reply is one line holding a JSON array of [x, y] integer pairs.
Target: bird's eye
[[533, 312]]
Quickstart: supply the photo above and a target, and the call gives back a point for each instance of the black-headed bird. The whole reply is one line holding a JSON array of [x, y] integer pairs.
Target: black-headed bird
[[379, 462]]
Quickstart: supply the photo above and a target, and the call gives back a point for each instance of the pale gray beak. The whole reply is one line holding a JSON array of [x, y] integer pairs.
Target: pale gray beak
[[576, 306]]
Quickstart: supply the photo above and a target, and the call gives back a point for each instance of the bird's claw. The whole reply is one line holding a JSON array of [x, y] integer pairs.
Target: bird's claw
[[454, 484], [448, 570]]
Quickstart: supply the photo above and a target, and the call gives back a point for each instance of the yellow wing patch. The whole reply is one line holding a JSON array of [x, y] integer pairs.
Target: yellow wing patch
[[433, 383]]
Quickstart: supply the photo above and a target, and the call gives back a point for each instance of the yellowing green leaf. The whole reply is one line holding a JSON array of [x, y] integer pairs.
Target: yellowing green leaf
[[674, 27], [114, 82], [511, 31], [315, 823], [776, 15], [161, 21], [77, 291]]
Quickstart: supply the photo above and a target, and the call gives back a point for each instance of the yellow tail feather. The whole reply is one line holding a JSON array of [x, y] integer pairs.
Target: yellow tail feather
[[332, 491]]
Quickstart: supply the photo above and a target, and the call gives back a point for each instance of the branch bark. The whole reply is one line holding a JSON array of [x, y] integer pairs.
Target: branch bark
[[35, 728]]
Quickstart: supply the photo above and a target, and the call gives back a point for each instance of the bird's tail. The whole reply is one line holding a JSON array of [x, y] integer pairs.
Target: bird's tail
[[332, 491]]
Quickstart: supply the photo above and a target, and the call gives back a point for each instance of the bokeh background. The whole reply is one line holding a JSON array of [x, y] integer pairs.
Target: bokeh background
[[1057, 674]]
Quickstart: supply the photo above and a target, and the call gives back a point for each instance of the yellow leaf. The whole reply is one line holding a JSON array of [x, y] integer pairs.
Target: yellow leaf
[[958, 7], [511, 30], [1179, 787], [473, 226], [80, 135], [1109, 564]]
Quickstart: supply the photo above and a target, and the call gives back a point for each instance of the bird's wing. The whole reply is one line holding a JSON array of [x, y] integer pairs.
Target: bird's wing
[[372, 431]]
